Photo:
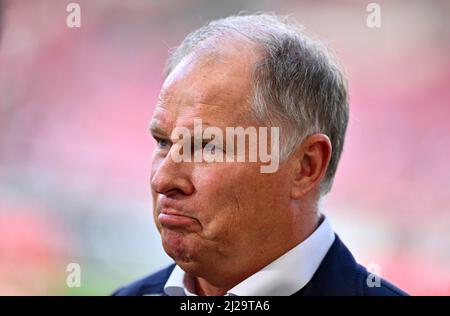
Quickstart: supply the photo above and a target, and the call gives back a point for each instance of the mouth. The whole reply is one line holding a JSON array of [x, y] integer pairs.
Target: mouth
[[173, 219]]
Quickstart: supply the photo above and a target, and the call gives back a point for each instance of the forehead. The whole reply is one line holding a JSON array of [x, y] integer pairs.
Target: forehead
[[213, 87]]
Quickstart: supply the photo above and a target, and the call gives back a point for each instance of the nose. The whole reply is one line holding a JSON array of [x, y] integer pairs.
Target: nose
[[171, 178]]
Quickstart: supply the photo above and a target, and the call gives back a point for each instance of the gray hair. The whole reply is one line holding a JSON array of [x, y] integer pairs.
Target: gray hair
[[296, 83]]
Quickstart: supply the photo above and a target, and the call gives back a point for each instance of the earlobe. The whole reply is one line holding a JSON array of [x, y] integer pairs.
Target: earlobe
[[310, 164]]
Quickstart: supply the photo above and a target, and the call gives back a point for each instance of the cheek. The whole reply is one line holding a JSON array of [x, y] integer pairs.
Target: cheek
[[215, 186], [155, 163], [154, 195], [240, 199], [226, 196]]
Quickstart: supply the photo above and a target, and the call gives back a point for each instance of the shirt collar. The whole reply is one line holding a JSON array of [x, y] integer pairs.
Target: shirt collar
[[284, 276]]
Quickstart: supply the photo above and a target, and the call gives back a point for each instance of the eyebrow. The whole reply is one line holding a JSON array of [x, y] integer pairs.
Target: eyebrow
[[154, 129]]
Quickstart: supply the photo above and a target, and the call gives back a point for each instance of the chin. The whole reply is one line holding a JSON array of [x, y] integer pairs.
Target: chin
[[178, 246]]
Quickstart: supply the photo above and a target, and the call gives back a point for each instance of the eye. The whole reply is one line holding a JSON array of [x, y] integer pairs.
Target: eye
[[202, 146], [210, 148], [162, 143]]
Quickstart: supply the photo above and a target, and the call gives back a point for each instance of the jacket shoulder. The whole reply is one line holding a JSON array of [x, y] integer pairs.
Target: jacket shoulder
[[372, 285], [149, 285], [340, 275]]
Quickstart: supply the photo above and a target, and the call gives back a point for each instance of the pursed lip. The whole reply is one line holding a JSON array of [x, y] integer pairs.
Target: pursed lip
[[173, 219], [172, 207], [171, 211], [170, 216]]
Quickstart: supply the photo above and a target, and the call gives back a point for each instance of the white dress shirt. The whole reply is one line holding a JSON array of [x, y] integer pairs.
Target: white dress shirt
[[282, 277]]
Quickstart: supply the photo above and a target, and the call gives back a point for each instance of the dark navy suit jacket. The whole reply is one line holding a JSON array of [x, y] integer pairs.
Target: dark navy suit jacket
[[338, 275]]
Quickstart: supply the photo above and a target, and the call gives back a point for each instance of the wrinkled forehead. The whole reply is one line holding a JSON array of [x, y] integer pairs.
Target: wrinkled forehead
[[213, 87]]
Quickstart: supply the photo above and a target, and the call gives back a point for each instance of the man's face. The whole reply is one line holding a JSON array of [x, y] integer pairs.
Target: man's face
[[219, 216]]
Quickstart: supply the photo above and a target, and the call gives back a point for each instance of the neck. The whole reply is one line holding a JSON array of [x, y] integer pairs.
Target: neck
[[203, 288]]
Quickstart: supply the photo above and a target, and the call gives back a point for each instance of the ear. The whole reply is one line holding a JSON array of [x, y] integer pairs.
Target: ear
[[310, 162]]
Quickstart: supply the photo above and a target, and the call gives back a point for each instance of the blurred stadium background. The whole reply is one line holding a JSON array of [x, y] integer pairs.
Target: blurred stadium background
[[75, 151]]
